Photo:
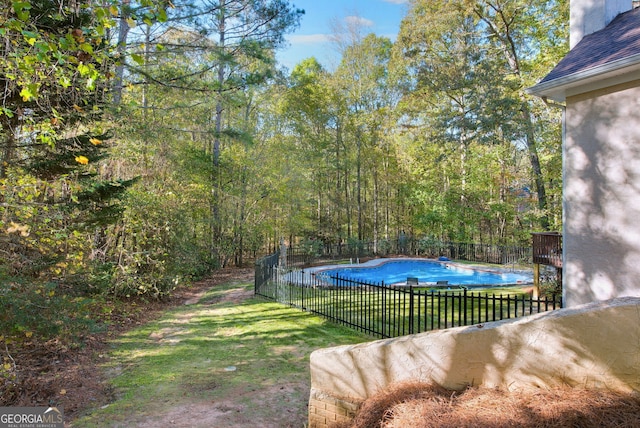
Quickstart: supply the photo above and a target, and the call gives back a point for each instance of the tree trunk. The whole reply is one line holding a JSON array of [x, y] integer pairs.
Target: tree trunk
[[375, 211], [535, 166], [10, 127], [359, 182], [216, 228], [123, 32]]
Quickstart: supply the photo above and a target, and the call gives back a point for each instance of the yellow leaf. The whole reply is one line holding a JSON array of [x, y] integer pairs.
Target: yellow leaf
[[26, 94], [82, 160], [95, 141], [63, 391], [7, 366], [15, 227], [77, 107], [28, 333]]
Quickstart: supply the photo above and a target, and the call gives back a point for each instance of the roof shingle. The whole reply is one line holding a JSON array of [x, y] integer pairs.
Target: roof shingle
[[618, 40]]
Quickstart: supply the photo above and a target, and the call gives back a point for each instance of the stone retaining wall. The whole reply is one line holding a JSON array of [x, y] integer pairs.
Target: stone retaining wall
[[591, 346]]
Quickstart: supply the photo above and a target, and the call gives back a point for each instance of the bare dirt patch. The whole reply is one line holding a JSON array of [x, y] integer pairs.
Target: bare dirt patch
[[282, 406]]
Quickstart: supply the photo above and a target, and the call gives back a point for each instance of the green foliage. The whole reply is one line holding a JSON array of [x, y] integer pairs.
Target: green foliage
[[60, 202], [54, 69], [355, 245], [485, 171], [211, 154], [312, 247], [550, 285], [39, 311], [56, 209], [51, 63], [385, 246], [157, 248]]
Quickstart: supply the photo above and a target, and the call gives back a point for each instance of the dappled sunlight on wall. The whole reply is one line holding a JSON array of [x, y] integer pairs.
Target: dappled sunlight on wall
[[602, 195]]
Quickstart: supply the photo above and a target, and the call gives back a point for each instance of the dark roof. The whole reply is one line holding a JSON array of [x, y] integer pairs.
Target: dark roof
[[618, 40]]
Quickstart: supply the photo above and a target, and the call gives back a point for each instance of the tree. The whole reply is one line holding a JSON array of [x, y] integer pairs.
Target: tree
[[363, 80], [464, 89], [55, 65], [54, 62], [521, 31], [191, 86], [245, 32], [310, 113], [57, 203]]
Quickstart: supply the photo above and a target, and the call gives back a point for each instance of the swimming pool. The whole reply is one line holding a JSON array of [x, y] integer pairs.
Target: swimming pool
[[428, 272]]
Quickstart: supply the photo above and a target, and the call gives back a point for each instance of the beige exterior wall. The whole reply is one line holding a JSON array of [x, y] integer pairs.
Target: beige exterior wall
[[593, 346], [602, 195]]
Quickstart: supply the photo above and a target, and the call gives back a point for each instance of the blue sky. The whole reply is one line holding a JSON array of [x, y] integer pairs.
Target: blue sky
[[381, 17]]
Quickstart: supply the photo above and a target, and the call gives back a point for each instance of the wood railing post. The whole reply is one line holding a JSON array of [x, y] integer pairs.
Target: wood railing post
[[536, 280]]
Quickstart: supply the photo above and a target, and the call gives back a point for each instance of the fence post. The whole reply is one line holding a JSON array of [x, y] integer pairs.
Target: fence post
[[446, 309], [411, 309], [384, 307], [304, 285], [465, 306]]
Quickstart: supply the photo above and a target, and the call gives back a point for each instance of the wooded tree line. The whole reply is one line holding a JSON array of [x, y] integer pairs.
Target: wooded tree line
[[146, 142], [432, 134]]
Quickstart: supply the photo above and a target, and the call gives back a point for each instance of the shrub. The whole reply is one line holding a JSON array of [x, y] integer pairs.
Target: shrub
[[43, 311]]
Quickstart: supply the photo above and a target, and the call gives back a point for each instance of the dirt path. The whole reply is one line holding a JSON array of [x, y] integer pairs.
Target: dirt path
[[220, 358], [231, 412]]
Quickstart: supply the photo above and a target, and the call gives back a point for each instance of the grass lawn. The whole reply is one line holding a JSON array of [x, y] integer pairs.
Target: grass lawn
[[231, 360]]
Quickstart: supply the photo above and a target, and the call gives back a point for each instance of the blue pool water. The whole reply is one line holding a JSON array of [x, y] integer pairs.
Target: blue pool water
[[426, 271]]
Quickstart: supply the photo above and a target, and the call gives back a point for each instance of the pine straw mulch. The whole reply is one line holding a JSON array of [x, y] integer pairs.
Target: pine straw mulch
[[52, 373], [419, 405]]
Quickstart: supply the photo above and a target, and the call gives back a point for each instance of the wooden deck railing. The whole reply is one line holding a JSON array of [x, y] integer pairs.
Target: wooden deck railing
[[547, 249]]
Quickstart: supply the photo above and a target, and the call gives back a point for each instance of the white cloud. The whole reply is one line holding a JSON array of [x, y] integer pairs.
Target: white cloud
[[358, 20], [396, 1], [308, 38]]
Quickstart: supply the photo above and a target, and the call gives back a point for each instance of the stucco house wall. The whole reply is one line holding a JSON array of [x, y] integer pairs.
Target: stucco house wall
[[602, 194]]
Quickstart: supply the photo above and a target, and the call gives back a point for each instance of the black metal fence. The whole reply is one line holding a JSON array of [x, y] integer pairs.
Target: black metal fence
[[384, 311], [264, 270]]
